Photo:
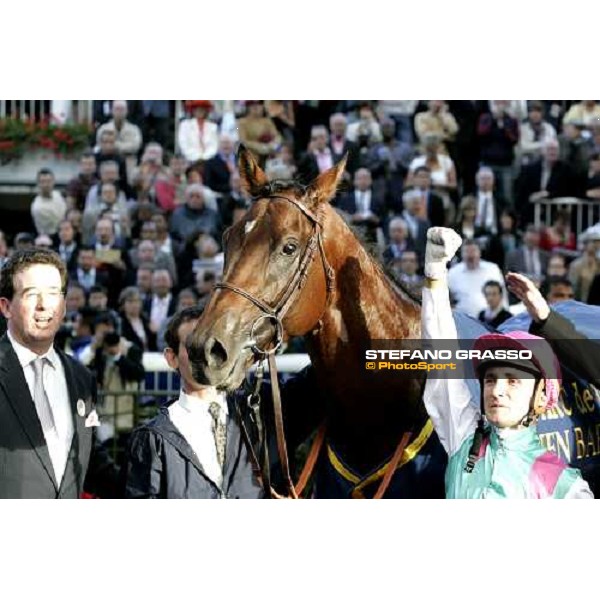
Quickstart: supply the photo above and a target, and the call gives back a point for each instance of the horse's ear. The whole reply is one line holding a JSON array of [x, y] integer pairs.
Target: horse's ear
[[253, 177], [324, 187]]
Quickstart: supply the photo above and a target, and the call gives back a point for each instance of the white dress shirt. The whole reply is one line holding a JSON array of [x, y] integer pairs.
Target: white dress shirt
[[190, 416], [166, 246], [486, 213], [86, 279], [533, 265], [159, 309], [466, 286], [55, 385], [324, 159], [363, 203]]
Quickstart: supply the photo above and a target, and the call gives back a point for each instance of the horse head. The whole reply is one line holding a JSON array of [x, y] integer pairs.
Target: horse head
[[276, 278]]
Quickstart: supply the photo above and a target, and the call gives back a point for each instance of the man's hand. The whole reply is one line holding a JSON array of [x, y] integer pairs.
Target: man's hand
[[524, 289], [442, 244]]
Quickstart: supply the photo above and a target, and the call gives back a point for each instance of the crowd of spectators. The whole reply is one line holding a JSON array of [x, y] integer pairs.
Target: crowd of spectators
[[140, 226]]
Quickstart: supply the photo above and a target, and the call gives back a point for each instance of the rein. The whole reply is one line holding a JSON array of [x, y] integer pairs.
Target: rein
[[276, 314]]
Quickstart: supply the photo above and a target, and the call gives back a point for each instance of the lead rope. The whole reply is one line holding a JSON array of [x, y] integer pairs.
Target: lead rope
[[281, 444]]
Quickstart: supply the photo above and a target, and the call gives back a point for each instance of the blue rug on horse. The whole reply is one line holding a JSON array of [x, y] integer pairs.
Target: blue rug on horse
[[572, 430]]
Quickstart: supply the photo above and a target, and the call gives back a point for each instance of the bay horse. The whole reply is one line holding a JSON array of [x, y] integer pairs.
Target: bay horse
[[292, 262]]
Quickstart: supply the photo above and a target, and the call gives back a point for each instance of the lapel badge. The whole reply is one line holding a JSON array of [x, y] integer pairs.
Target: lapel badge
[[81, 407], [92, 419]]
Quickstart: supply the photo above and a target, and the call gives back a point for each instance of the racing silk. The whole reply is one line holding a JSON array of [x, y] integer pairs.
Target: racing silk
[[512, 463]]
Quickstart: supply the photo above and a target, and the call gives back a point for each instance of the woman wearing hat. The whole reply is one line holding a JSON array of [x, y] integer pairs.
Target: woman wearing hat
[[198, 137], [257, 131], [493, 446]]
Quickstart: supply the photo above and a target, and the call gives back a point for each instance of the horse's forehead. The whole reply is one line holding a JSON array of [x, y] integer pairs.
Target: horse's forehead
[[276, 215]]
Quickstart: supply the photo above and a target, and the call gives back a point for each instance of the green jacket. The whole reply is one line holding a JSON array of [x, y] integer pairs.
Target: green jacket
[[512, 464]]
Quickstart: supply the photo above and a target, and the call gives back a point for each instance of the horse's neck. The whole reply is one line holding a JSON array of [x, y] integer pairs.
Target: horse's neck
[[365, 306], [367, 415]]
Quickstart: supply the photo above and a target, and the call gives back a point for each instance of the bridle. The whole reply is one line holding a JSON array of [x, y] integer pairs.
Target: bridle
[[294, 284], [276, 314]]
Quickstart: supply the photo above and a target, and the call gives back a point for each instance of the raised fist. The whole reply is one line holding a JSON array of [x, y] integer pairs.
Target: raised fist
[[442, 244]]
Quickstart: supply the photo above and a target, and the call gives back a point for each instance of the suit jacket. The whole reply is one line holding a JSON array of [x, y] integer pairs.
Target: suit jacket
[[435, 210], [216, 175], [308, 168], [161, 464], [529, 181], [420, 239], [353, 155], [147, 305], [25, 466], [71, 263], [390, 253], [129, 333], [502, 316], [515, 261], [102, 278], [117, 278], [347, 203], [573, 349]]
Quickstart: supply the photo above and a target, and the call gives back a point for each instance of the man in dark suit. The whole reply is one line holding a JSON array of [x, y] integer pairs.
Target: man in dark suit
[[47, 399], [495, 314], [434, 205], [418, 224], [548, 178], [365, 207], [66, 245], [194, 448], [162, 303], [112, 259], [400, 240], [340, 145], [85, 272], [188, 450], [218, 169], [529, 259], [319, 156]]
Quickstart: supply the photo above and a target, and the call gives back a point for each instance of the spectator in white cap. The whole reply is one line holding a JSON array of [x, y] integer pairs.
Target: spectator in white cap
[[583, 269]]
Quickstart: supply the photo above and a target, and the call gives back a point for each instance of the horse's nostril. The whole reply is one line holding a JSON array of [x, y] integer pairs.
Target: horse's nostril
[[217, 355]]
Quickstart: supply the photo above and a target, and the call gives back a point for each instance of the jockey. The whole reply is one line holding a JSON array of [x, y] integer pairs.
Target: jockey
[[493, 446]]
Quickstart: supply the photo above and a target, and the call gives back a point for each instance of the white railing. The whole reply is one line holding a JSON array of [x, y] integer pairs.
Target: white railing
[[286, 363], [587, 212], [162, 377], [72, 111]]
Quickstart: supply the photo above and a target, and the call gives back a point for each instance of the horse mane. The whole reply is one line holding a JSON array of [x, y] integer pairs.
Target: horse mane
[[371, 249], [279, 186]]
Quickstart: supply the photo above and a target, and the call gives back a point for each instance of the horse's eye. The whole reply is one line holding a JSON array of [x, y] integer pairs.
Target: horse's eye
[[290, 248]]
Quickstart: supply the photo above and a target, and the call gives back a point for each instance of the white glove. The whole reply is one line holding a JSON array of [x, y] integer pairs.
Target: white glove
[[442, 244]]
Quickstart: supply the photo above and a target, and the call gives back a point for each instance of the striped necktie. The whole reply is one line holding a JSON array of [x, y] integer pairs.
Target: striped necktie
[[219, 431]]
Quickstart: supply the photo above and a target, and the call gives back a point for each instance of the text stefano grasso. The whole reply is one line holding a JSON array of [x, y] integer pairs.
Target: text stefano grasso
[[493, 354]]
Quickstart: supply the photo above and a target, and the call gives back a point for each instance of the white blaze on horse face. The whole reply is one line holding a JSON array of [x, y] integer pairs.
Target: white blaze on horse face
[[249, 226]]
